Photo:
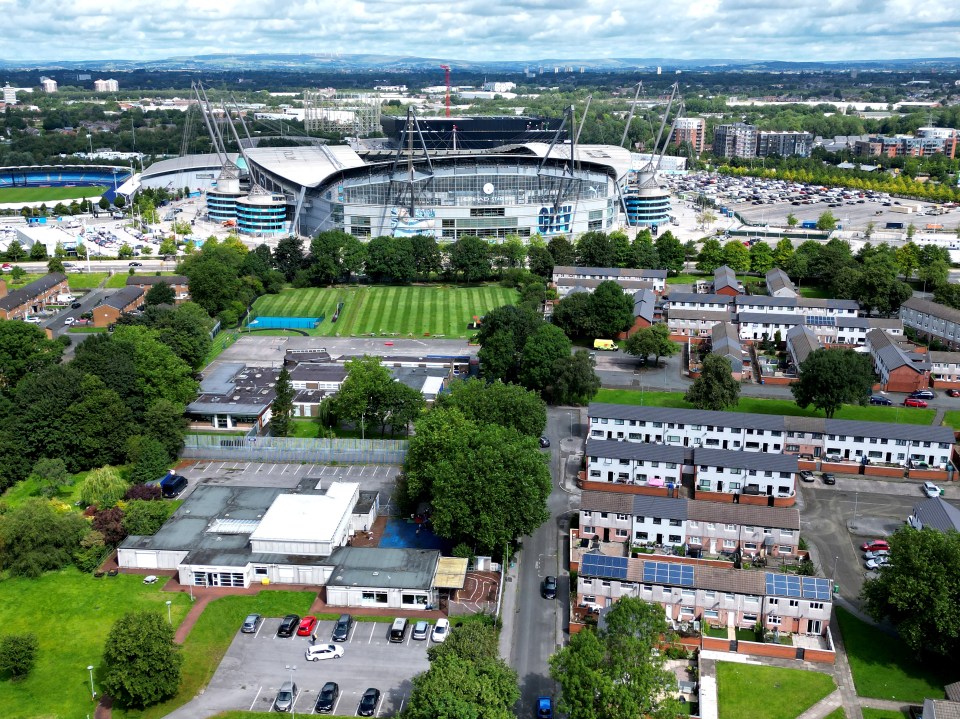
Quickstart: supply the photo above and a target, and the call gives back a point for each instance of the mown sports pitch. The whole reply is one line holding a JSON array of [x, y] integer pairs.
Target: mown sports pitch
[[437, 310], [9, 195]]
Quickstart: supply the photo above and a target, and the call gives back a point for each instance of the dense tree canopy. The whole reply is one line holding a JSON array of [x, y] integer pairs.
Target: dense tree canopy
[[141, 662], [830, 378], [502, 336], [509, 405], [24, 348], [370, 397], [36, 537], [715, 389]]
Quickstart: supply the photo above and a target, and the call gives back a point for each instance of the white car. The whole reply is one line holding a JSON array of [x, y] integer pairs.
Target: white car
[[32, 320], [878, 562], [931, 490], [876, 554], [440, 630], [69, 321], [323, 651]]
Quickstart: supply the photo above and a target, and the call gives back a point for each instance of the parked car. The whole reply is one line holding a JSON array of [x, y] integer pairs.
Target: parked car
[[876, 554], [544, 708], [914, 402], [930, 489], [285, 697], [874, 545], [544, 442], [288, 626], [6, 267], [368, 702], [885, 401], [953, 393], [75, 305], [69, 321], [323, 651], [327, 698], [877, 563], [828, 478], [440, 630], [307, 625], [806, 475], [341, 630], [922, 394], [251, 624], [548, 590], [420, 630]]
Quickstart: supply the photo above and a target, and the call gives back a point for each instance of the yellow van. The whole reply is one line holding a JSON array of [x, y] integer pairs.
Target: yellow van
[[604, 345]]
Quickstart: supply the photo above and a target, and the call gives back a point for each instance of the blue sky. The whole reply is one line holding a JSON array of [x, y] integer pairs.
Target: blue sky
[[484, 29]]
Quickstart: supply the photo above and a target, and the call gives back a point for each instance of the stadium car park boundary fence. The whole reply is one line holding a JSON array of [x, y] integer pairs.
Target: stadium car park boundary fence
[[295, 449]]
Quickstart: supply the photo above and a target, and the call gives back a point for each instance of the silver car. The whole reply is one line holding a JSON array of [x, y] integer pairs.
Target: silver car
[[285, 697]]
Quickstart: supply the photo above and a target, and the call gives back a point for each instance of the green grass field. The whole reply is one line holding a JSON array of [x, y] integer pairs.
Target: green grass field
[[884, 667], [48, 194], [411, 311], [71, 614], [837, 713], [747, 691], [869, 713], [757, 405], [952, 418], [210, 638]]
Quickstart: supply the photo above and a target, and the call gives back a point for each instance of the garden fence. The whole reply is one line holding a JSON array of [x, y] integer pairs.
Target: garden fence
[[294, 449]]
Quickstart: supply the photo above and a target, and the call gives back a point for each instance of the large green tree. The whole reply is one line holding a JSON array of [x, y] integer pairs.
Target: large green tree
[[487, 484], [618, 671], [370, 397], [36, 537], [281, 409], [288, 256], [830, 378], [470, 259], [710, 256], [611, 310], [919, 591], [736, 256], [594, 249], [497, 403], [502, 335], [161, 374], [540, 353], [670, 253], [24, 349], [654, 340], [427, 256], [161, 294], [390, 259], [761, 257], [562, 250], [466, 678], [575, 380], [142, 665], [715, 389]]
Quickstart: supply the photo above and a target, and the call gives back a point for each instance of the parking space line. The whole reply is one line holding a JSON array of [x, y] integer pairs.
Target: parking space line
[[220, 468], [336, 704], [260, 468], [402, 700], [373, 625], [260, 689], [293, 707], [257, 633]]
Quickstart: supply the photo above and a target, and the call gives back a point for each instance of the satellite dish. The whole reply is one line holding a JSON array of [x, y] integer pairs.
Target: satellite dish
[[488, 188]]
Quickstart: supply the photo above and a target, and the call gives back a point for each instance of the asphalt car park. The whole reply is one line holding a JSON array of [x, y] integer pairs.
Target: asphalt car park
[[256, 665]]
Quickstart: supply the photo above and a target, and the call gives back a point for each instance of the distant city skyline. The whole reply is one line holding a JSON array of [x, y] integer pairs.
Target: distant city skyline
[[484, 30]]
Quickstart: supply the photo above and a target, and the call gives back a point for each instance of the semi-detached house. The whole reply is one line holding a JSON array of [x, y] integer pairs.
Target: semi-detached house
[[833, 440]]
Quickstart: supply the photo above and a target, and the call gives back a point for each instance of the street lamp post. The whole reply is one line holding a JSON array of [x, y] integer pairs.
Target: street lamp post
[[90, 138], [169, 617], [93, 694], [293, 699]]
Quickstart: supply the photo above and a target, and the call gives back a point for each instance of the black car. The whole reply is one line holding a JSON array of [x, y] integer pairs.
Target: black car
[[288, 626], [828, 478], [135, 264], [368, 702], [544, 442], [922, 394], [74, 305], [341, 630], [327, 698], [549, 587], [885, 401]]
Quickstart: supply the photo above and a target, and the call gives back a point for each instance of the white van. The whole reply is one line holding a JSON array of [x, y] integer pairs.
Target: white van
[[398, 630]]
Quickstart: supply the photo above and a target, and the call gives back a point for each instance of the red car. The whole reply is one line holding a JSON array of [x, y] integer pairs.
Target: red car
[[307, 625], [953, 393], [914, 402], [875, 545]]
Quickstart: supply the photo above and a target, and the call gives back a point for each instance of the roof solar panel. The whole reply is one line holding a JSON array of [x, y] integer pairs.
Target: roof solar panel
[[600, 565], [668, 573]]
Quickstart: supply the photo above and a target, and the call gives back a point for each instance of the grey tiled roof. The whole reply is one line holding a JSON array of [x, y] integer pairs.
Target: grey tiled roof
[[644, 304], [743, 514], [723, 276], [910, 432], [773, 318], [803, 341], [761, 461], [618, 502], [612, 272], [937, 513], [725, 341], [584, 284], [123, 297], [777, 280], [890, 353], [634, 450], [945, 357], [705, 315], [812, 302], [31, 290], [933, 309], [648, 505], [702, 298]]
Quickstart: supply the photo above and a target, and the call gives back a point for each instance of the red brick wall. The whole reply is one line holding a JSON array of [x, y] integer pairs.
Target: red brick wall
[[767, 650], [728, 291], [821, 656], [755, 500], [779, 380], [905, 379], [784, 501], [944, 384], [874, 471], [925, 474], [715, 644], [842, 467], [713, 496], [807, 464], [638, 323], [576, 627], [628, 489]]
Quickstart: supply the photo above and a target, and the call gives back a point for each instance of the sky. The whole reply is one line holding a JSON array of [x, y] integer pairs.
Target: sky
[[478, 30]]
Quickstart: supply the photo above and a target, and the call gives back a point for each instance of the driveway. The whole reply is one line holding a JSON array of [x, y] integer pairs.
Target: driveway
[[255, 666]]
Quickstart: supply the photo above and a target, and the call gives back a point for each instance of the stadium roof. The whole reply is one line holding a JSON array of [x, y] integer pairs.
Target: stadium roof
[[305, 166], [612, 156], [186, 163]]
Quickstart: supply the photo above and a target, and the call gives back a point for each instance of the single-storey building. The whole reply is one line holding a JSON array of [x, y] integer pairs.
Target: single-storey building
[[725, 341]]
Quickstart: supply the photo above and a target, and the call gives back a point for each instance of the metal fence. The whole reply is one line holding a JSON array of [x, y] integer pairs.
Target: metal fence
[[289, 449]]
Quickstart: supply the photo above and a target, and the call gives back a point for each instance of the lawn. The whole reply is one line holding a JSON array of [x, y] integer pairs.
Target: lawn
[[839, 713], [746, 691], [409, 311], [86, 280], [71, 614], [869, 713], [48, 194], [211, 637], [815, 292], [952, 418], [27, 488], [759, 405], [882, 665]]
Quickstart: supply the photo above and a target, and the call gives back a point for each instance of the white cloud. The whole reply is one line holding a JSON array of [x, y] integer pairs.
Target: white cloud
[[48, 30]]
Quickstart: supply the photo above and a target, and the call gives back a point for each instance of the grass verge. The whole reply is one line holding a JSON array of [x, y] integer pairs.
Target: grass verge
[[759, 405], [870, 713], [786, 693], [71, 613], [883, 666], [223, 340], [838, 713], [211, 637]]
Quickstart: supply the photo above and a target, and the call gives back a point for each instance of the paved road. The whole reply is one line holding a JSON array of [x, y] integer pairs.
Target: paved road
[[87, 302], [538, 627]]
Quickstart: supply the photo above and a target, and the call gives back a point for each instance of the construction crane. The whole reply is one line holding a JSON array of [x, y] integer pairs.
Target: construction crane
[[446, 78]]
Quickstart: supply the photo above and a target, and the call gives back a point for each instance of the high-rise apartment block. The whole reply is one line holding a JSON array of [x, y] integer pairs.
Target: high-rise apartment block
[[105, 86], [48, 84], [692, 130], [784, 144], [735, 140]]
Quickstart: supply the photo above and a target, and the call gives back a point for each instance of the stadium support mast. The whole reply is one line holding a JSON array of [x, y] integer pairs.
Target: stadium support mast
[[633, 107], [446, 79]]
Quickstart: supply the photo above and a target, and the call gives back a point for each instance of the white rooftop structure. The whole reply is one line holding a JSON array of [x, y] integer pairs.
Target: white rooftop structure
[[306, 166], [610, 155], [307, 524]]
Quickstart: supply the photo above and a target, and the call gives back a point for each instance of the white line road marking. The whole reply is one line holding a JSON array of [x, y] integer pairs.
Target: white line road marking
[[260, 689], [260, 468], [336, 704], [373, 626], [257, 633]]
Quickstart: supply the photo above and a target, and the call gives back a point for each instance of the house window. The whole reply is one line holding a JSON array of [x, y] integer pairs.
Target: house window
[[750, 619], [784, 549], [657, 520], [694, 540], [686, 610], [729, 543], [370, 598], [816, 605], [794, 603], [711, 614], [773, 621], [676, 538], [646, 588], [642, 536], [588, 530], [773, 602], [623, 533], [675, 523], [623, 517], [750, 546], [260, 571], [589, 598]]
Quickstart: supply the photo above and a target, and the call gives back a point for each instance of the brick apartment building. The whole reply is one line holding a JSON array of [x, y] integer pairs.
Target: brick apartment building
[[33, 297]]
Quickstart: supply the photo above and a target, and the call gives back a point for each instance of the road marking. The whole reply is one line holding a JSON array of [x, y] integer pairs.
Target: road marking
[[373, 626], [293, 708], [257, 633], [284, 469], [336, 704], [402, 699], [260, 689], [260, 468], [379, 706]]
